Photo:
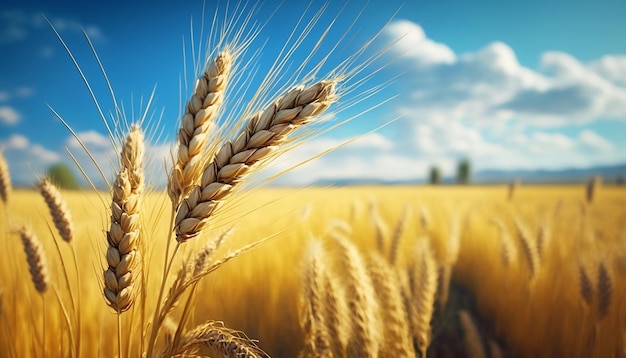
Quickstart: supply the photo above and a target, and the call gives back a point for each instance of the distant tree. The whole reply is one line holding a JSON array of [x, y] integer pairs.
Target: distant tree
[[464, 172], [435, 175], [62, 175]]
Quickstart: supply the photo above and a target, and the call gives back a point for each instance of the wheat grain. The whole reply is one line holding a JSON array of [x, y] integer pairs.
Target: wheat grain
[[264, 133], [362, 304], [122, 256], [5, 179], [397, 338], [57, 206], [423, 291], [605, 291], [36, 257], [196, 124], [508, 251], [471, 336]]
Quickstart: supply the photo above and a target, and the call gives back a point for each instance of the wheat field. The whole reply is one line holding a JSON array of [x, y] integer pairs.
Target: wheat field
[[567, 302]]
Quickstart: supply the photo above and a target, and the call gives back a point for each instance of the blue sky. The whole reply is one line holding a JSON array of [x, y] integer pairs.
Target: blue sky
[[525, 85]]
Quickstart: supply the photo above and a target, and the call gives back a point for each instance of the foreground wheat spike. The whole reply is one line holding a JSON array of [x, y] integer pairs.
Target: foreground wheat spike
[[123, 237], [312, 318], [196, 124], [215, 340], [397, 335], [59, 212], [262, 136], [423, 290], [605, 291], [362, 303], [473, 342], [36, 257], [5, 179]]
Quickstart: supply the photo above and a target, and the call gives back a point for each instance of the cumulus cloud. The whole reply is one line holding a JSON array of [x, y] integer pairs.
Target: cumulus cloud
[[9, 116], [26, 159]]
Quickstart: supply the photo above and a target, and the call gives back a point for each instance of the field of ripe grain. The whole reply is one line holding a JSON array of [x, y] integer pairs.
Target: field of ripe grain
[[539, 275]]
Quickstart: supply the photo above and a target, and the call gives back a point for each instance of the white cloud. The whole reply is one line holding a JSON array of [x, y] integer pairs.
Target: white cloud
[[26, 159], [8, 115], [411, 42]]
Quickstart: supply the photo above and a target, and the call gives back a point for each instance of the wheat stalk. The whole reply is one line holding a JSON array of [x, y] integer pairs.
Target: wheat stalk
[[5, 179], [312, 317], [36, 257], [452, 254], [471, 336], [362, 305], [262, 135], [122, 256], [397, 337], [423, 291], [196, 124], [57, 206]]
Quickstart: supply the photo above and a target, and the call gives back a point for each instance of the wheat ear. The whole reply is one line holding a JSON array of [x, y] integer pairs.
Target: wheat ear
[[423, 290], [5, 179], [312, 318], [336, 314], [196, 124], [263, 133], [219, 341], [586, 287], [397, 335], [471, 336], [36, 257], [508, 251], [362, 304], [605, 291], [529, 248], [59, 212], [394, 244], [123, 257]]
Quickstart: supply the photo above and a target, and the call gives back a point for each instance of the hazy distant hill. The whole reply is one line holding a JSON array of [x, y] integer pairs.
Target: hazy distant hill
[[565, 176]]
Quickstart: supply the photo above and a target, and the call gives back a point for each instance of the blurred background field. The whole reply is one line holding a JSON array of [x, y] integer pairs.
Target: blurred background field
[[258, 293]]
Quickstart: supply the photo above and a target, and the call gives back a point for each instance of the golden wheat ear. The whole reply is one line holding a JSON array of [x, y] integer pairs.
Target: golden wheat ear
[[5, 179], [262, 136], [312, 318], [196, 124], [123, 256], [214, 340], [363, 306], [397, 334], [57, 207], [36, 257]]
